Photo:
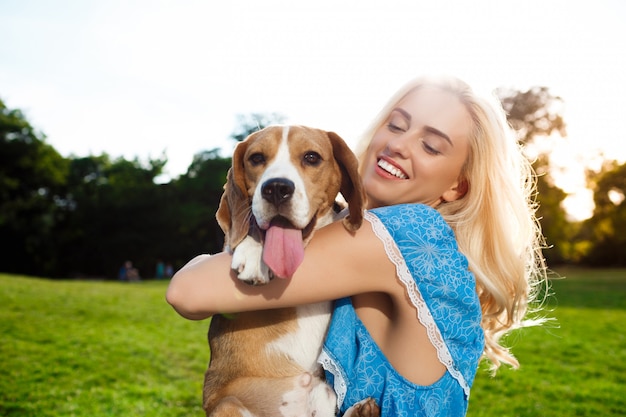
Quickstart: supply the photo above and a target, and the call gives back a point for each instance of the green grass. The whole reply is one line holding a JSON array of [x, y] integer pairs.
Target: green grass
[[575, 366], [72, 348], [76, 348]]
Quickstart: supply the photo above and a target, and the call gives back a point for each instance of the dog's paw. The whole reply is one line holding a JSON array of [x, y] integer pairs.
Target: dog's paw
[[322, 400], [248, 262], [309, 397], [364, 408]]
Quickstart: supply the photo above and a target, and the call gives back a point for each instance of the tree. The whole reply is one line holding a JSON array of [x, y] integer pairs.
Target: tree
[[604, 232], [535, 114], [250, 123], [116, 212], [198, 194], [32, 177]]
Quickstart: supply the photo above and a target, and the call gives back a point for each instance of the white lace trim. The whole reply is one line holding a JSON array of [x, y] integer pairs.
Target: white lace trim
[[423, 312], [340, 386]]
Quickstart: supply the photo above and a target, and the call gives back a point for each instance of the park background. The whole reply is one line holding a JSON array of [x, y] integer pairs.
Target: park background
[[117, 121]]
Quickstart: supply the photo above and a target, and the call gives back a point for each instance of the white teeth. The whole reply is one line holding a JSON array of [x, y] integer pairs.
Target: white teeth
[[391, 169]]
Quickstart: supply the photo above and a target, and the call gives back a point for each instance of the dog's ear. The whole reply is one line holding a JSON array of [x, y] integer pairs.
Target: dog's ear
[[233, 214], [351, 184]]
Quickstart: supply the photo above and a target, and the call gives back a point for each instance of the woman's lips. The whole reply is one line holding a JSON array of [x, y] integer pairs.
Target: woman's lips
[[391, 169]]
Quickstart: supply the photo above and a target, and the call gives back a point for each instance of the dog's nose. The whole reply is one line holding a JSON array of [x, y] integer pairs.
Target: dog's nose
[[277, 190]]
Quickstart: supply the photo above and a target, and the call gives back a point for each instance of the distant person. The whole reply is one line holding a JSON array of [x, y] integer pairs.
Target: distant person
[[122, 274], [128, 272], [160, 270], [169, 270]]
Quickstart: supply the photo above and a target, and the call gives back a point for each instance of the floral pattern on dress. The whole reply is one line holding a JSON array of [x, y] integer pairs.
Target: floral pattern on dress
[[423, 248]]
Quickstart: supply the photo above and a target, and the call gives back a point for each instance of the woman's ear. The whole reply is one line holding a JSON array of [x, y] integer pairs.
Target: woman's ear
[[457, 191]]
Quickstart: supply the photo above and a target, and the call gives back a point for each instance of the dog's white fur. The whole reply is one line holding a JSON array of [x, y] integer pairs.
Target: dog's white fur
[[277, 375]]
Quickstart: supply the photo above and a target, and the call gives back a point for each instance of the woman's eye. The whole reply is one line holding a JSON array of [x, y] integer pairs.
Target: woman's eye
[[394, 128], [257, 159], [312, 158], [429, 149]]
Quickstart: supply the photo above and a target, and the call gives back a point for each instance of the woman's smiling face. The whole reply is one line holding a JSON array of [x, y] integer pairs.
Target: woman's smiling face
[[417, 155]]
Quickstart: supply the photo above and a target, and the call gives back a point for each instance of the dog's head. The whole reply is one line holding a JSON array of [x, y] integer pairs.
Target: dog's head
[[290, 176]]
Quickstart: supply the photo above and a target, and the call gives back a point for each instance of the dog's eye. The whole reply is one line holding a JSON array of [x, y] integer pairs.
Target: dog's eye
[[257, 159], [312, 158]]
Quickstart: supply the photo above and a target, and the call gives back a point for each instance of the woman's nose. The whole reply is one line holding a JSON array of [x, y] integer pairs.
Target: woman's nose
[[399, 145]]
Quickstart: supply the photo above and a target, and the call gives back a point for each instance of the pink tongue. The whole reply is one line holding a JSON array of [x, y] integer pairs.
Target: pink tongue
[[283, 250]]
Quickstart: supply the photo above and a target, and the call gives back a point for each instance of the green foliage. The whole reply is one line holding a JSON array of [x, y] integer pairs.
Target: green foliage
[[131, 213], [32, 175], [198, 196], [533, 113], [606, 228], [85, 216], [536, 114], [78, 348], [558, 231]]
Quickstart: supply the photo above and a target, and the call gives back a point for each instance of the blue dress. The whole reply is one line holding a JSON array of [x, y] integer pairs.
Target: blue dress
[[424, 250]]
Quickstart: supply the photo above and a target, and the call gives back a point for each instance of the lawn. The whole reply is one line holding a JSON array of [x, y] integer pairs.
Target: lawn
[[575, 366], [77, 348]]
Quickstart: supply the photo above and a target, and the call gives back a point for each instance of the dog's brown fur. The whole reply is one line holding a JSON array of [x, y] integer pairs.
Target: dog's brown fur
[[233, 214]]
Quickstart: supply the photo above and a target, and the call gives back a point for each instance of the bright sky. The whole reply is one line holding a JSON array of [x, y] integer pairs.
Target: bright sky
[[135, 78]]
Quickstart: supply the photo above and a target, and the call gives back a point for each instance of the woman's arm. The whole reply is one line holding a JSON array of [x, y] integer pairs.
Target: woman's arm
[[336, 264]]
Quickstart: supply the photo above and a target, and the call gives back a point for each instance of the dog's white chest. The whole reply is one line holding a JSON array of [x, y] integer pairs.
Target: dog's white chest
[[304, 345]]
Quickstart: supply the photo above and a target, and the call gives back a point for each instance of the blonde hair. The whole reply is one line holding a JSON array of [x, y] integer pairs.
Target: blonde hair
[[494, 222]]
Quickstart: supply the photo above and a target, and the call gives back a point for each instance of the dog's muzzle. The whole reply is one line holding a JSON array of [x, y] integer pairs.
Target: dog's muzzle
[[277, 190]]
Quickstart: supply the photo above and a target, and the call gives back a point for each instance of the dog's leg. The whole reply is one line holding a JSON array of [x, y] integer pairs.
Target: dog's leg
[[230, 407], [309, 397], [322, 400], [302, 395], [364, 408], [248, 262]]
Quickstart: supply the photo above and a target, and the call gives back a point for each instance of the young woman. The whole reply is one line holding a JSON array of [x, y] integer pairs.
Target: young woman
[[446, 263]]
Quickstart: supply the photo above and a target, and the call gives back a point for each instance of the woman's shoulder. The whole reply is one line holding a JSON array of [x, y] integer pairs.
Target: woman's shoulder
[[409, 212], [413, 219], [413, 207]]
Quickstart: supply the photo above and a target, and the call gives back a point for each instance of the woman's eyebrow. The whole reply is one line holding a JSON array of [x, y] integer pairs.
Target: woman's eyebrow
[[403, 112], [428, 129], [439, 133]]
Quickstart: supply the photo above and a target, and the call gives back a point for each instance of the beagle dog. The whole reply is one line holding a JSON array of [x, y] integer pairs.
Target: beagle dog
[[283, 184]]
